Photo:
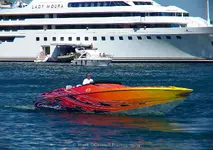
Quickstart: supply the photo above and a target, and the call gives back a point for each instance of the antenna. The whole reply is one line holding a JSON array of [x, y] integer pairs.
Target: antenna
[[207, 12]]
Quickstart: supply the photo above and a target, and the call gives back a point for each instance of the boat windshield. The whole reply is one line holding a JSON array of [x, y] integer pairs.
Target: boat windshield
[[106, 82]]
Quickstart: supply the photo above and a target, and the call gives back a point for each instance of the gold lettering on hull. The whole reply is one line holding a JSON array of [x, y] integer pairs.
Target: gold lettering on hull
[[40, 6]]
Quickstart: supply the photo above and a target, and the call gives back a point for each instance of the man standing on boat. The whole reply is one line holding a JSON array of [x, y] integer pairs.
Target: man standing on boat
[[87, 80]]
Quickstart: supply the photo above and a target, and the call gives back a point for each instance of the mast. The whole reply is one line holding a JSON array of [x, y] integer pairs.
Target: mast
[[207, 12]]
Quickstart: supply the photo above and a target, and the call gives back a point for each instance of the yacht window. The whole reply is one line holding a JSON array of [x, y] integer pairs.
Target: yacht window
[[178, 37], [94, 38], [37, 38], [129, 37], [158, 37], [45, 38], [112, 38], [101, 4], [121, 38], [104, 4], [87, 4], [50, 15], [139, 37], [149, 37], [62, 38], [75, 5], [92, 4], [86, 38], [49, 27], [168, 37], [117, 4], [179, 14], [103, 38], [6, 38], [183, 25], [54, 38], [82, 5], [212, 43], [142, 3], [78, 38], [83, 56], [154, 14], [172, 14], [175, 25], [185, 14], [95, 4], [69, 38]]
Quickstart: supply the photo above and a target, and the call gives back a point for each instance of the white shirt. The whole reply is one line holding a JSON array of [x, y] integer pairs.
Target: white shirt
[[87, 81]]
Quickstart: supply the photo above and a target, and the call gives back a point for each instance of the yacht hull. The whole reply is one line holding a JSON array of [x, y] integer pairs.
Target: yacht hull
[[181, 44]]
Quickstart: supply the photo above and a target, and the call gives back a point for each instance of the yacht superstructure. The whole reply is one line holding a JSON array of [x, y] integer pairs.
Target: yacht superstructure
[[133, 30]]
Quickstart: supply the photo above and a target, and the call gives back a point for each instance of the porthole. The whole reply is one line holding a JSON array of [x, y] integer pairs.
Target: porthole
[[121, 38], [178, 37], [149, 37], [112, 38], [86, 38], [158, 37], [129, 37], [139, 37], [94, 38], [168, 37], [103, 38]]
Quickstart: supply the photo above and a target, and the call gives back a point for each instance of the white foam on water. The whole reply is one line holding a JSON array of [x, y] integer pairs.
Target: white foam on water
[[21, 107], [50, 107]]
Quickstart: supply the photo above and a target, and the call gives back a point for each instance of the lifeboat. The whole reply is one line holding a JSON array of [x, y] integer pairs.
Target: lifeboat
[[109, 97]]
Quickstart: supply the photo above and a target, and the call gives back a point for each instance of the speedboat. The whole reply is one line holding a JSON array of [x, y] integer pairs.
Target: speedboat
[[109, 97]]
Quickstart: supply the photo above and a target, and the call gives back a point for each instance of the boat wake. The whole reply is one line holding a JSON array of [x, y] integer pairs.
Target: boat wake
[[25, 108], [157, 110]]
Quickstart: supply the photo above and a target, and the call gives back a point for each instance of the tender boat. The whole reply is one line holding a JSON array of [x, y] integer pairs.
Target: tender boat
[[109, 97], [91, 57], [68, 57]]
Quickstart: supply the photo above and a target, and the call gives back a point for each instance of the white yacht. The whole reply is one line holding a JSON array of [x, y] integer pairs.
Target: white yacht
[[131, 30], [90, 57]]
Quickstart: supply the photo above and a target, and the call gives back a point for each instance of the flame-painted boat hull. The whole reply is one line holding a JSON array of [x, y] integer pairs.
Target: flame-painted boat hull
[[109, 97]]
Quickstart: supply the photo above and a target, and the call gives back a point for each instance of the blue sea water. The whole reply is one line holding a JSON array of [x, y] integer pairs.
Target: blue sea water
[[188, 126]]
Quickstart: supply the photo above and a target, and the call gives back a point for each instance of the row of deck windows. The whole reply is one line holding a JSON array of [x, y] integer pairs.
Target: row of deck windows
[[6, 39], [97, 4], [103, 38], [93, 26], [105, 4], [81, 15]]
